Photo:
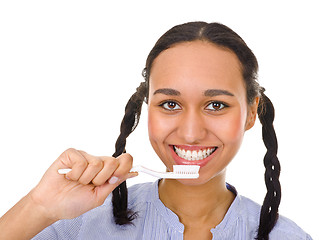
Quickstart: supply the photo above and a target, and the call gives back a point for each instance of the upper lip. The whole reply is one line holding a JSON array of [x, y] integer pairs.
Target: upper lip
[[193, 147]]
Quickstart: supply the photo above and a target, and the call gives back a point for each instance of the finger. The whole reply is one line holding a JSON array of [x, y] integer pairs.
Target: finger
[[95, 165], [110, 165], [72, 158], [105, 189], [123, 170]]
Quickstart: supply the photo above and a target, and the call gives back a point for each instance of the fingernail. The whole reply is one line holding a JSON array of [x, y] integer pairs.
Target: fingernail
[[113, 180]]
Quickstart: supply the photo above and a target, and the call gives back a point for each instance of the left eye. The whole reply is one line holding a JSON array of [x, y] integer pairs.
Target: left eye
[[216, 106], [170, 106]]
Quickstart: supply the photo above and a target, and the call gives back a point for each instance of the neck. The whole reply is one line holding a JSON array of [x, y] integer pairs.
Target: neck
[[201, 204]]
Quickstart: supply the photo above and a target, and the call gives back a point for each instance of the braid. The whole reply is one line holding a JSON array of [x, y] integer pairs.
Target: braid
[[130, 120], [269, 209]]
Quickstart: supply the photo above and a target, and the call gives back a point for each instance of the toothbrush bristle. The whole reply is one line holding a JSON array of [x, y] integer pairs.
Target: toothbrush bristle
[[186, 169]]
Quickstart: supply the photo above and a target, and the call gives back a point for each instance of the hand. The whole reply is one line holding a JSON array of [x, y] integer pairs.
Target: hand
[[87, 186]]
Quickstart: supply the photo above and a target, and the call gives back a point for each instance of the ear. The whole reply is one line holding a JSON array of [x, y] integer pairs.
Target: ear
[[251, 114]]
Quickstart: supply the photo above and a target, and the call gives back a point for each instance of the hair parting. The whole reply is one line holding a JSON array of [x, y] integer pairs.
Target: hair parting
[[121, 213], [224, 37]]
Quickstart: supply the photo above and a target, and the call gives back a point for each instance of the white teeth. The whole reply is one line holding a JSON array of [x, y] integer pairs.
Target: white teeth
[[204, 152], [194, 155], [188, 154], [200, 155]]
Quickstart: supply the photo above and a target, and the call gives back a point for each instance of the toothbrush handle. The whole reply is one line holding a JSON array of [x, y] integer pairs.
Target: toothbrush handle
[[134, 169], [64, 170], [148, 171]]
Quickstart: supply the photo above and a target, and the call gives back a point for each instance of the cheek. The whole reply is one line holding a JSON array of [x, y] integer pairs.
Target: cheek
[[158, 127], [231, 129], [153, 128]]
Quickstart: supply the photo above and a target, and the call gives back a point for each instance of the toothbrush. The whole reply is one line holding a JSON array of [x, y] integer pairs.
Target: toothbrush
[[179, 171]]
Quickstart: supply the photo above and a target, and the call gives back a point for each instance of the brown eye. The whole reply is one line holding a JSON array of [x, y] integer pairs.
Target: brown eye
[[170, 106], [216, 106]]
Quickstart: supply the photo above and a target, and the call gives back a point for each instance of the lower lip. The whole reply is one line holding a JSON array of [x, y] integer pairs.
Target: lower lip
[[181, 161]]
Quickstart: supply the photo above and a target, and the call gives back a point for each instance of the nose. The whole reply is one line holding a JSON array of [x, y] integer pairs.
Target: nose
[[192, 127]]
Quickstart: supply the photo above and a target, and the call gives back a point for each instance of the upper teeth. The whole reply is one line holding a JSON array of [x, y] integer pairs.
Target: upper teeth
[[194, 155]]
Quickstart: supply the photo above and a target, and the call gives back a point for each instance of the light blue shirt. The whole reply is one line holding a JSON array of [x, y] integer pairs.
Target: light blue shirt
[[157, 222]]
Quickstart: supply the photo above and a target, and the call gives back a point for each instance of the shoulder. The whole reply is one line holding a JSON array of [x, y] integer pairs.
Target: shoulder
[[136, 194], [141, 192], [287, 229], [284, 228]]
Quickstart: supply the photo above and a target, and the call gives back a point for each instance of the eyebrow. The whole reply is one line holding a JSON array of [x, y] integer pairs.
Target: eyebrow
[[217, 92], [167, 91], [207, 93]]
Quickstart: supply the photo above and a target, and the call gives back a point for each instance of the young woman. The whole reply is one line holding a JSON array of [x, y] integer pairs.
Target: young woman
[[202, 95]]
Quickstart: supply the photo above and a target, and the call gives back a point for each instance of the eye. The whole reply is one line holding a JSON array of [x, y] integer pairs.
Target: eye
[[216, 106], [170, 106]]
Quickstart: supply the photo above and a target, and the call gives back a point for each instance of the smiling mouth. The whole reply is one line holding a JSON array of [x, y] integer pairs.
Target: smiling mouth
[[194, 155]]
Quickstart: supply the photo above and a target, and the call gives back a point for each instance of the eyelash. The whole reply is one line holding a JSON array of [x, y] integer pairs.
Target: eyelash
[[224, 105], [169, 101]]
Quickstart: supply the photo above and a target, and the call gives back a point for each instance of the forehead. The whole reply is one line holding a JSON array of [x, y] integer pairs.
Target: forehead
[[196, 64]]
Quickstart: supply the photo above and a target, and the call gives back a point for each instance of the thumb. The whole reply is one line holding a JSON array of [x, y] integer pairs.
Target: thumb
[[103, 191]]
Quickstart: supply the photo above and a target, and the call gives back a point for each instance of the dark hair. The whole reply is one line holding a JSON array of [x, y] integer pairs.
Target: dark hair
[[224, 37]]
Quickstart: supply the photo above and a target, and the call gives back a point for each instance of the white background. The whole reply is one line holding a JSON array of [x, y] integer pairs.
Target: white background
[[67, 69]]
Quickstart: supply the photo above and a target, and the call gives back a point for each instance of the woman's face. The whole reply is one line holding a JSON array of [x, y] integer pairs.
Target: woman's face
[[197, 109]]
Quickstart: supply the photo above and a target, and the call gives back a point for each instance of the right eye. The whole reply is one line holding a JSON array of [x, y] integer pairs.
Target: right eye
[[170, 106]]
